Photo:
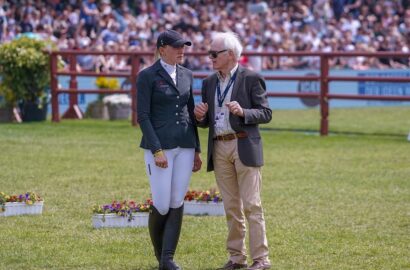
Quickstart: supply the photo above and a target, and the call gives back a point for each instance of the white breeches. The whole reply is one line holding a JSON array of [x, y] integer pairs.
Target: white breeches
[[169, 185]]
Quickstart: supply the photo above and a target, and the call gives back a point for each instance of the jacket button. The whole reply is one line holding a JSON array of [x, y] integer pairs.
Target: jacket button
[[176, 113], [177, 122], [176, 106], [177, 97]]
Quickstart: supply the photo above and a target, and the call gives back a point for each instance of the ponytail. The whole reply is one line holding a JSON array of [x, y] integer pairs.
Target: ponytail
[[156, 54]]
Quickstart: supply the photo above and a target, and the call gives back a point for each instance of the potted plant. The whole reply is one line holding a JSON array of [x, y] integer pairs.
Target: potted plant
[[119, 106], [29, 203], [97, 109], [126, 213], [207, 202], [25, 72]]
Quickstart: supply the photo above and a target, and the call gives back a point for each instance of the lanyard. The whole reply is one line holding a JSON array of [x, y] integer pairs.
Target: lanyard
[[221, 97]]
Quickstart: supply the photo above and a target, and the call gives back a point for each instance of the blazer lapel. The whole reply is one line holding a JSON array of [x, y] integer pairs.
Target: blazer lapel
[[211, 97], [161, 71], [238, 82]]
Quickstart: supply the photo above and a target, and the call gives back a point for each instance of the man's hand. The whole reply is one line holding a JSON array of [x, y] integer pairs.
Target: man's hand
[[200, 111], [235, 108]]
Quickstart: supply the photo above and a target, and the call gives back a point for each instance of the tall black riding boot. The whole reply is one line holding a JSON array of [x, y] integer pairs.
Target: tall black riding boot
[[156, 224], [172, 230]]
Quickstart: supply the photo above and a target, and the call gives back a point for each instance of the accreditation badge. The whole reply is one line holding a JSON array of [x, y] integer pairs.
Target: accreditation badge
[[219, 120]]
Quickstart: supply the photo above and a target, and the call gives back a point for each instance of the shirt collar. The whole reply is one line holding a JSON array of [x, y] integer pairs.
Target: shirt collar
[[230, 74], [168, 68]]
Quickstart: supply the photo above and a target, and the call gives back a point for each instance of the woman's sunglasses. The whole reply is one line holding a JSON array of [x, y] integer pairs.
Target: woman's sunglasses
[[214, 54]]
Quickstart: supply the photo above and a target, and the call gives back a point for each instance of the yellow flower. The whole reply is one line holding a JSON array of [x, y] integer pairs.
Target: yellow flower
[[107, 83]]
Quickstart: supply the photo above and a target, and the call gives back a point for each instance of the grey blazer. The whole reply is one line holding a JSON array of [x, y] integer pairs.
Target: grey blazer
[[249, 90], [165, 110]]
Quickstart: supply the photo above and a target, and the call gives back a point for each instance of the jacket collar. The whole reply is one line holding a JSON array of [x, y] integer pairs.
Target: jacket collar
[[231, 73], [164, 74], [237, 83], [168, 68], [181, 82]]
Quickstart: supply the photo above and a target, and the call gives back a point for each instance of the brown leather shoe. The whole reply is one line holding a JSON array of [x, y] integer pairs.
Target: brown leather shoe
[[231, 265], [259, 266]]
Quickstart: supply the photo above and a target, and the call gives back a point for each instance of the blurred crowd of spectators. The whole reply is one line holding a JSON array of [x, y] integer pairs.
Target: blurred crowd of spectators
[[263, 26]]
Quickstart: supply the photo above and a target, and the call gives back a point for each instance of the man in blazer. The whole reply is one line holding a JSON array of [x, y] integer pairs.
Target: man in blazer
[[233, 105]]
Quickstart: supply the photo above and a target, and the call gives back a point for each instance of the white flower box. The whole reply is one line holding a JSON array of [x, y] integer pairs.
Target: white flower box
[[115, 221], [21, 208], [117, 99], [204, 208]]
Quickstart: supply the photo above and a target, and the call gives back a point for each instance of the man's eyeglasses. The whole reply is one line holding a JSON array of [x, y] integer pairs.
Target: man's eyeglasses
[[214, 54]]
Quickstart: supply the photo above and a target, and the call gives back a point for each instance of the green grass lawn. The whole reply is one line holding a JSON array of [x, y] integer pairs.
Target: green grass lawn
[[336, 202]]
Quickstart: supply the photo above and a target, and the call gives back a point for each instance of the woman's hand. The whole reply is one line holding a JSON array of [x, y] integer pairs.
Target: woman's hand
[[197, 162], [161, 160]]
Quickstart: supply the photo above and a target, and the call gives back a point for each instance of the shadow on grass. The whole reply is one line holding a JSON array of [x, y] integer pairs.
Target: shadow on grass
[[156, 268], [347, 133], [150, 268]]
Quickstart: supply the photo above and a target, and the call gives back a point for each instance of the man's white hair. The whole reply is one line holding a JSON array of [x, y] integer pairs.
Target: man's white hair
[[231, 42]]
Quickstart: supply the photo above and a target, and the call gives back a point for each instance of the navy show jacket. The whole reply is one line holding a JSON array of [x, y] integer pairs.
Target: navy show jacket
[[165, 110]]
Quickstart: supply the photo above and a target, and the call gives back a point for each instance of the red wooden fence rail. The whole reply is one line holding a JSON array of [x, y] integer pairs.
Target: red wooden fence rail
[[324, 78]]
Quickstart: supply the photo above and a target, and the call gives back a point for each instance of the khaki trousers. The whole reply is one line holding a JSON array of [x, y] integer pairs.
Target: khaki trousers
[[240, 187]]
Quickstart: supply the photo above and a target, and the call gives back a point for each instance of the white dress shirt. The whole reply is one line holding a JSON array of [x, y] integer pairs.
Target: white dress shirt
[[171, 70], [224, 127]]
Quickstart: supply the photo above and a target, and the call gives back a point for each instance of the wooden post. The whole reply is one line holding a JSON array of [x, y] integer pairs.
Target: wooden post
[[135, 66], [55, 116], [73, 111], [324, 92]]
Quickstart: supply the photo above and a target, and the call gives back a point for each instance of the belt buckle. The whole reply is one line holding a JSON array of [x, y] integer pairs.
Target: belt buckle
[[226, 137], [230, 137], [241, 134]]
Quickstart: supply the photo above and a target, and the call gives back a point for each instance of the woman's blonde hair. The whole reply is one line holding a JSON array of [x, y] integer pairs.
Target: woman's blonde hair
[[157, 55]]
